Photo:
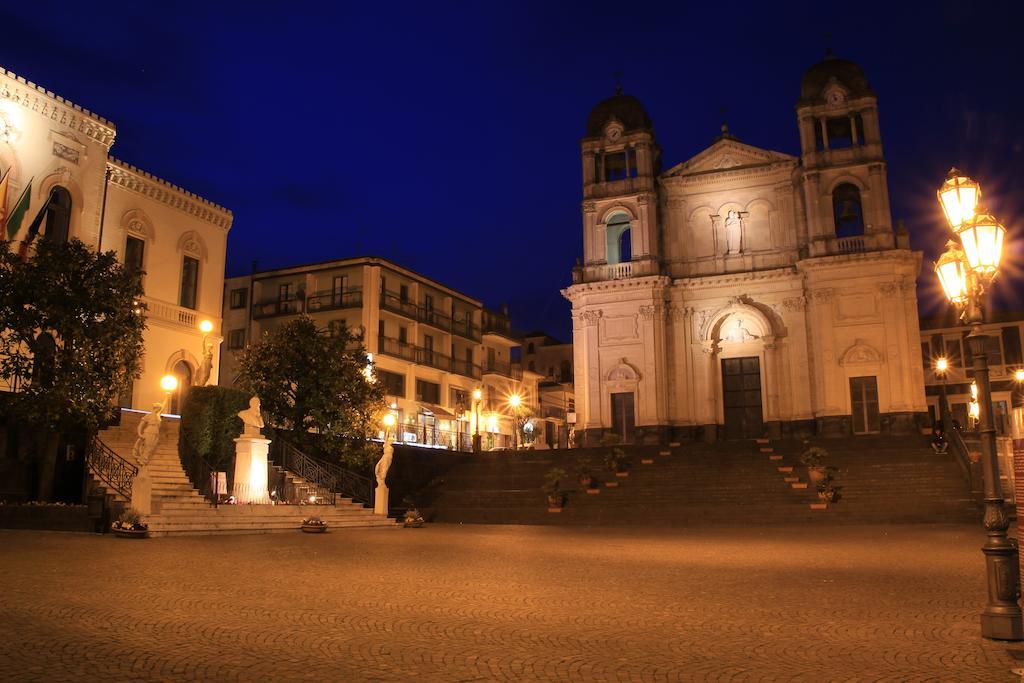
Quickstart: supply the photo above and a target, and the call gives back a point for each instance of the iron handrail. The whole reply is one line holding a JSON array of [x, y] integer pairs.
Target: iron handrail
[[111, 468], [326, 475]]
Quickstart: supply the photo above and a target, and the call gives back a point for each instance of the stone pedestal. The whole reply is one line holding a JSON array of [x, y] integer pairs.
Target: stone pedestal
[[380, 500], [142, 493], [250, 484]]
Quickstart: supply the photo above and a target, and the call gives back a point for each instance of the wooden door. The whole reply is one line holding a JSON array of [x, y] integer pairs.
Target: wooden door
[[741, 398]]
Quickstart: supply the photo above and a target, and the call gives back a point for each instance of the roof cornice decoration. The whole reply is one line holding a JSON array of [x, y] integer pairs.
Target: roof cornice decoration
[[726, 154], [38, 99], [136, 180], [710, 281], [613, 285]]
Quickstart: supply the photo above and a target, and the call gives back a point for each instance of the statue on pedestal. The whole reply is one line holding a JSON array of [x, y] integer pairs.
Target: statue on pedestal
[[148, 436], [206, 366], [252, 420], [733, 232], [380, 471]]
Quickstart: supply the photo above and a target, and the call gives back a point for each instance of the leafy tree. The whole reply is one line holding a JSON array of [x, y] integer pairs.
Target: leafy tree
[[313, 384], [71, 340]]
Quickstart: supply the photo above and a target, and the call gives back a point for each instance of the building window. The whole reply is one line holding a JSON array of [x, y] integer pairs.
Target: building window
[[529, 348], [953, 354], [189, 283], [428, 392], [460, 401], [58, 216], [619, 242], [335, 328], [239, 297], [236, 339], [926, 355], [1011, 345], [847, 210], [403, 293], [392, 383], [403, 335], [133, 253]]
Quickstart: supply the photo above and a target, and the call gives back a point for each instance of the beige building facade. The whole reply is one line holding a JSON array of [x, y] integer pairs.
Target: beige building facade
[[745, 291], [59, 154], [431, 345]]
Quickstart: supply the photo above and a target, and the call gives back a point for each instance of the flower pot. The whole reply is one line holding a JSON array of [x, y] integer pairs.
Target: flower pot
[[131, 533], [593, 491], [586, 481], [412, 523], [555, 509], [974, 456], [314, 528], [816, 473], [622, 474]]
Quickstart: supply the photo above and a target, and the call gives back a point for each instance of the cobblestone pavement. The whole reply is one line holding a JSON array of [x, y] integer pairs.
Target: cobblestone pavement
[[475, 603]]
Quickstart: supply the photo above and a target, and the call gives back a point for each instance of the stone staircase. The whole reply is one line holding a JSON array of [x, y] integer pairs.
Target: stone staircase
[[179, 509], [883, 480]]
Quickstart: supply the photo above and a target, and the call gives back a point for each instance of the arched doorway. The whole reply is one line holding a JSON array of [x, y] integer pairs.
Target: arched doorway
[[183, 372]]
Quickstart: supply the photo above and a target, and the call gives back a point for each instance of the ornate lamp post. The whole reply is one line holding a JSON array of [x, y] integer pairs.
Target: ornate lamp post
[[966, 271], [477, 397]]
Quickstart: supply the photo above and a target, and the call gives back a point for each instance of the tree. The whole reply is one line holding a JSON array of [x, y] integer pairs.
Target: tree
[[314, 384], [71, 340]]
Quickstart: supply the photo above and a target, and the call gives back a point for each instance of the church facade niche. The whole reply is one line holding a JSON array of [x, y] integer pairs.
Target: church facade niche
[[751, 274]]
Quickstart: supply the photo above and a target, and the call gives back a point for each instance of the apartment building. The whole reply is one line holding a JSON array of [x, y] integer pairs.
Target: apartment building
[[431, 345]]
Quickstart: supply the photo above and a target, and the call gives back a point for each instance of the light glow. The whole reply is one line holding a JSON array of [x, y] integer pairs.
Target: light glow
[[389, 420], [982, 237], [206, 327], [1018, 374], [952, 271], [974, 391], [959, 197], [477, 394], [169, 383], [941, 365], [515, 400], [975, 410]]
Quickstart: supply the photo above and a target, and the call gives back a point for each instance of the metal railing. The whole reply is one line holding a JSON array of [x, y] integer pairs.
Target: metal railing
[[274, 307], [390, 301], [465, 368], [506, 369], [397, 348], [213, 485], [330, 479], [330, 300], [110, 468], [466, 328], [497, 324]]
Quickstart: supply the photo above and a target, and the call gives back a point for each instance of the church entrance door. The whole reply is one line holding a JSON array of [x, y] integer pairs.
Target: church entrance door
[[623, 416], [741, 397], [864, 405]]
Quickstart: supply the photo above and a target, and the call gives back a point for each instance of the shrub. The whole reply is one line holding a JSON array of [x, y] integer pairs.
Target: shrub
[[814, 456], [553, 481], [210, 423], [610, 439]]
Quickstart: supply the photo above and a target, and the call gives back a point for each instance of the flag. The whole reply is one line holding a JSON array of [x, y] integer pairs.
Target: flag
[[18, 211], [33, 228], [3, 196]]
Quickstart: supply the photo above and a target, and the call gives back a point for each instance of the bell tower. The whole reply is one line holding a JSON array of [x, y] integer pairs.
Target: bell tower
[[620, 162], [845, 186]]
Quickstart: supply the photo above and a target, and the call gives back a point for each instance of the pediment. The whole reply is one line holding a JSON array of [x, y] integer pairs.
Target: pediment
[[727, 154]]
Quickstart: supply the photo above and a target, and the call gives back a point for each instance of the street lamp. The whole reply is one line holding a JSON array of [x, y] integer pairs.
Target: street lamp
[[514, 401], [966, 271], [941, 368], [477, 397]]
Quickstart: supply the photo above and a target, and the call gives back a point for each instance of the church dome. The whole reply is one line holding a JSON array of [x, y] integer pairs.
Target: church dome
[[626, 109], [847, 73]]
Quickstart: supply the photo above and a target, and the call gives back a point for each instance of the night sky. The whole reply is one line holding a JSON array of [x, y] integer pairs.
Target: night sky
[[444, 136]]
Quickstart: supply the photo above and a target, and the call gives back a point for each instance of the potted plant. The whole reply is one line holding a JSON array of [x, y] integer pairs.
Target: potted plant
[[553, 489], [583, 472], [314, 525], [814, 459], [827, 490], [129, 524], [412, 519], [617, 461]]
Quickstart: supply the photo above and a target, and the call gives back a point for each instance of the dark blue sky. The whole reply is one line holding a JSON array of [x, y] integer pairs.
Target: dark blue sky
[[445, 135]]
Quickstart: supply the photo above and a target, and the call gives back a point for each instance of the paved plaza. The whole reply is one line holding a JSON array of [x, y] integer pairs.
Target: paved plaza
[[479, 603]]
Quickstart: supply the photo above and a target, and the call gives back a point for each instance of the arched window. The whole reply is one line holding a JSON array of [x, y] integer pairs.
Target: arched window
[[847, 210], [620, 246], [183, 371], [58, 216]]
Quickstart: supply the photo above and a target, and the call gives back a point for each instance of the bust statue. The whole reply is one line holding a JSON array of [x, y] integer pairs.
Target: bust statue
[[252, 420]]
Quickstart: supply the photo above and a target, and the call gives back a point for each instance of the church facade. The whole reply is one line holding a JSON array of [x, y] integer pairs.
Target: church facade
[[745, 292]]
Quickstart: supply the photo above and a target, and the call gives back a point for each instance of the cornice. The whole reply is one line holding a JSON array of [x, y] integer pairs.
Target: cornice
[[616, 285], [745, 277], [39, 100], [136, 180], [715, 176]]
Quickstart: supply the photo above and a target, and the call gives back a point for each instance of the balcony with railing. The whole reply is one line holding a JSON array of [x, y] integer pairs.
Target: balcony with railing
[[465, 368], [466, 328], [504, 369], [274, 307], [496, 323], [389, 301], [331, 300], [396, 348], [424, 356], [434, 318]]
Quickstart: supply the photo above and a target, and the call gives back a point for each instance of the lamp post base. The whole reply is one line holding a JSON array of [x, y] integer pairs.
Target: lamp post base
[[1001, 618], [1002, 626], [477, 443]]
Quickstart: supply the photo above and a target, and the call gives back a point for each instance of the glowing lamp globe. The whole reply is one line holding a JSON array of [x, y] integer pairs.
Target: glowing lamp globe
[[389, 420], [477, 394], [952, 271], [974, 391], [959, 196], [974, 410], [1018, 375], [982, 237], [515, 400], [169, 383], [206, 327], [941, 365]]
